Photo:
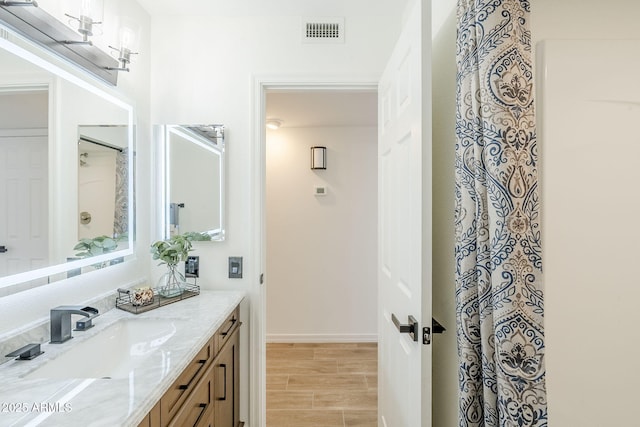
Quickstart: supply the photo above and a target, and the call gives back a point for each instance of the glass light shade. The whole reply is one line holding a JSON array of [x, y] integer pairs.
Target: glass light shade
[[93, 9], [85, 16], [318, 157], [126, 38], [128, 34]]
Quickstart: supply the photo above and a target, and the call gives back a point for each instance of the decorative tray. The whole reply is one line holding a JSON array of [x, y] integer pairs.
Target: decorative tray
[[129, 299]]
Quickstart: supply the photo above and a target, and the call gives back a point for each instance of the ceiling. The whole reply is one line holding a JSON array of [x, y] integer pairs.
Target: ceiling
[[323, 108], [274, 7]]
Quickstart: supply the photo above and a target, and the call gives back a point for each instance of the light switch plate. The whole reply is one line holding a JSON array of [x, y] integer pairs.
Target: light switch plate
[[235, 267], [192, 266], [320, 190]]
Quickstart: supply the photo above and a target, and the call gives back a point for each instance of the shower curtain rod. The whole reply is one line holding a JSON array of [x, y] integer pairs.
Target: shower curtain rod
[[100, 143]]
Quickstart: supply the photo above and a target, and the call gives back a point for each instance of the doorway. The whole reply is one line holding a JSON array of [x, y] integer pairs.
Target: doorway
[[321, 236], [24, 176]]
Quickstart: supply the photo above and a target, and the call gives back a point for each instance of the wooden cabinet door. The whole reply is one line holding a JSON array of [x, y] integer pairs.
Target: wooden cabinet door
[[226, 384]]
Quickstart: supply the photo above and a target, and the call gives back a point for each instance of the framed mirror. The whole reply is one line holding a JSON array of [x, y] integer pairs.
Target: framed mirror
[[192, 176], [46, 109]]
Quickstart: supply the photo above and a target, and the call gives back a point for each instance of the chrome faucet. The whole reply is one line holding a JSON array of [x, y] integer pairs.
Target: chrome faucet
[[61, 321]]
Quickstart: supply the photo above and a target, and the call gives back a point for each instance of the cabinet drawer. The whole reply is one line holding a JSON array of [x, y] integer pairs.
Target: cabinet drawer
[[197, 410], [174, 397], [225, 331]]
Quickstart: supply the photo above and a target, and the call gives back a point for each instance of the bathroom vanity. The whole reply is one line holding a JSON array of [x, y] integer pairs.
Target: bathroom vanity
[[177, 365], [181, 368], [207, 391]]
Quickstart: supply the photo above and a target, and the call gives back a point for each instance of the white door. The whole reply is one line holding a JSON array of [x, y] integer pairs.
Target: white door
[[404, 227], [24, 201]]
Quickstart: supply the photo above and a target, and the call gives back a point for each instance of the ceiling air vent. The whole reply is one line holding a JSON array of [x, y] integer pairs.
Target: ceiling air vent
[[4, 34], [323, 30]]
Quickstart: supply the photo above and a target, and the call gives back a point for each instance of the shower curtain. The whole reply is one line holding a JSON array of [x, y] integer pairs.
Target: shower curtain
[[121, 214], [499, 298]]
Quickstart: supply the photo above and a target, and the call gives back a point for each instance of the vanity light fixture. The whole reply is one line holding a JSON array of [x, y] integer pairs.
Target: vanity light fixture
[[128, 36], [38, 26], [19, 3], [90, 14], [274, 124], [318, 157]]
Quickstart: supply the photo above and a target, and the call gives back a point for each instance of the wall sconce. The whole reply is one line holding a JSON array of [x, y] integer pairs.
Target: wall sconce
[[19, 3], [128, 38], [39, 27], [318, 157], [91, 13]]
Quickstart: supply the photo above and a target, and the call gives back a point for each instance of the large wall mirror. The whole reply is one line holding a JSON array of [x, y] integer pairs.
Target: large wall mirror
[[193, 158], [66, 150]]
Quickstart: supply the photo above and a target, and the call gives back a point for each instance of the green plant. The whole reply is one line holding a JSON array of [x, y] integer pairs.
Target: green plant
[[173, 250], [97, 246], [194, 236]]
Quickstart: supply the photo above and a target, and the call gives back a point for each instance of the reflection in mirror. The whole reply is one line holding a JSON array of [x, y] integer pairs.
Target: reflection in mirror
[[24, 168], [193, 196], [102, 190], [44, 110]]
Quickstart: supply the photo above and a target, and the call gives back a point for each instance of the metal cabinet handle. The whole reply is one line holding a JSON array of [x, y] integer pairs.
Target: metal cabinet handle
[[203, 409], [186, 386], [411, 328], [224, 367], [233, 322]]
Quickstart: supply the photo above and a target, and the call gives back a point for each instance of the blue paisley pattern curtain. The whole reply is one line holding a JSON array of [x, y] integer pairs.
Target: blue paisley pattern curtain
[[121, 214], [499, 298]]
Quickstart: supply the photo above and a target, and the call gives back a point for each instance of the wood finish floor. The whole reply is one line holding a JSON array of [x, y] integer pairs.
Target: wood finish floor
[[322, 385]]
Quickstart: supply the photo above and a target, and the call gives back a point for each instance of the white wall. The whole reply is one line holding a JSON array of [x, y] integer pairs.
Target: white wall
[[445, 354], [204, 70], [588, 196], [23, 111], [590, 177], [321, 250]]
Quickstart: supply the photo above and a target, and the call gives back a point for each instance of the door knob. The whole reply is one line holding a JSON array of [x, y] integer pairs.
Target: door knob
[[411, 328], [3, 249]]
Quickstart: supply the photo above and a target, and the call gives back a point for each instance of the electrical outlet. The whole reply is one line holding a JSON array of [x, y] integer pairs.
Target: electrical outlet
[[192, 266], [235, 267]]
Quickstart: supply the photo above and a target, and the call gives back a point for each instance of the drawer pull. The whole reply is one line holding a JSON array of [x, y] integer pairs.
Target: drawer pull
[[201, 362], [203, 406], [224, 379], [233, 322]]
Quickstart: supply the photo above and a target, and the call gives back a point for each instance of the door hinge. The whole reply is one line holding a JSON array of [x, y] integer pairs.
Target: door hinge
[[426, 335]]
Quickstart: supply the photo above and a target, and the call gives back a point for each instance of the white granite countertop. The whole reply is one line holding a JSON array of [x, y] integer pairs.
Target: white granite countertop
[[124, 400]]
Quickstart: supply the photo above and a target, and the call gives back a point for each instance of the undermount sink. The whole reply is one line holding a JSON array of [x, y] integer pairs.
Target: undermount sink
[[115, 352]]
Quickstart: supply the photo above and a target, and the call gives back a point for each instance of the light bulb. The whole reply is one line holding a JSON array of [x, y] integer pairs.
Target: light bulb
[[85, 8], [127, 38]]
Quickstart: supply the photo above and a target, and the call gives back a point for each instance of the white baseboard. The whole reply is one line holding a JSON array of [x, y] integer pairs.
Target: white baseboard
[[321, 338]]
